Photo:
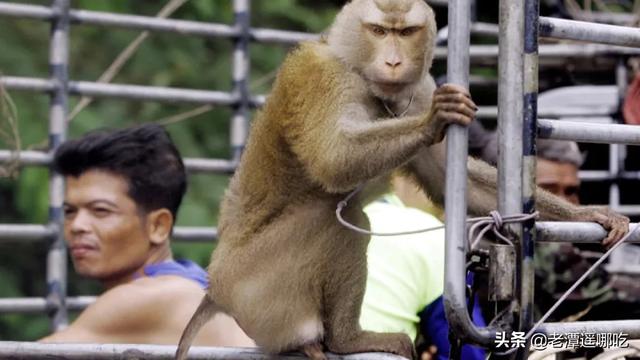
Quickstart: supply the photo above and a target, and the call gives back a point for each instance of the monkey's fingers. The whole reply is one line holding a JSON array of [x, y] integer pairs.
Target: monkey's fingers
[[452, 88], [455, 98], [618, 226], [451, 117], [457, 108]]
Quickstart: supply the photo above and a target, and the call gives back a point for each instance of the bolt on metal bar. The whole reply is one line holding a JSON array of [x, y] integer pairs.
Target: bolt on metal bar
[[589, 132], [41, 305], [240, 119], [456, 186], [57, 255], [193, 165], [591, 32], [44, 351]]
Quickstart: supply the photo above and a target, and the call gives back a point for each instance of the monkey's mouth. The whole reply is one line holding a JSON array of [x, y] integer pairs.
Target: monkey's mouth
[[390, 86]]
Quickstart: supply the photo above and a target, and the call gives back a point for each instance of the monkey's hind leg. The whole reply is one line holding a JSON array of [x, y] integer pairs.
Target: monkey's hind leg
[[343, 302], [204, 313]]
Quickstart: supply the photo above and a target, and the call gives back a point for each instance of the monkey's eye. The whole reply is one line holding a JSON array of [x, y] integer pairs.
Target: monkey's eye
[[378, 30], [409, 31]]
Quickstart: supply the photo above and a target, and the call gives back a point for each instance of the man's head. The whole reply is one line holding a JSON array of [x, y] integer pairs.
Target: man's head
[[557, 168], [123, 190], [557, 162]]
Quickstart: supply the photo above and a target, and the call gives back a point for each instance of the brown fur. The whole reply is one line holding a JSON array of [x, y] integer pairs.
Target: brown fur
[[284, 268]]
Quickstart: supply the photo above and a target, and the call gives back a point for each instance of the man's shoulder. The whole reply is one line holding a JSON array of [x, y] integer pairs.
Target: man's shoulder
[[153, 289]]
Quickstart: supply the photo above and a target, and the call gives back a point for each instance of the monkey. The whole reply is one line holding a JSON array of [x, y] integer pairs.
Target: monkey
[[349, 109]]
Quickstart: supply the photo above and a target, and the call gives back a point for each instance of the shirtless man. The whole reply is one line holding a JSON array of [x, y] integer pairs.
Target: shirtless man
[[123, 190]]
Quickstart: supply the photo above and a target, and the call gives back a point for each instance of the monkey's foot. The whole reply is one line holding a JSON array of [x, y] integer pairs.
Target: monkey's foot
[[395, 343], [314, 351]]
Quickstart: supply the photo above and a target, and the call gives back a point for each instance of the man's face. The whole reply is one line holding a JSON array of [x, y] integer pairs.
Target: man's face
[[103, 228], [559, 178]]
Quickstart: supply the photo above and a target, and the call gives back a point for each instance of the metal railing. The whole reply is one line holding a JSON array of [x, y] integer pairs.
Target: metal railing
[[59, 88], [518, 126]]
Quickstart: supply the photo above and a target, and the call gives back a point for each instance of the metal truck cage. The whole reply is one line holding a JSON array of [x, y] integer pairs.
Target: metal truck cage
[[518, 53]]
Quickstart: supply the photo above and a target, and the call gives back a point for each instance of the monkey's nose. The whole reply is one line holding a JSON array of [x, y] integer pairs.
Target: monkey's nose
[[393, 63]]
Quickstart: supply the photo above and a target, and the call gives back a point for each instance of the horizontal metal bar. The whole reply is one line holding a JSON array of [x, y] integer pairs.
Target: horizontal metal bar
[[618, 18], [491, 112], [26, 232], [26, 11], [195, 234], [589, 132], [35, 232], [194, 165], [26, 157], [590, 32], [41, 305], [164, 94], [604, 175], [136, 22], [611, 34], [549, 231], [574, 232], [35, 351], [561, 51], [27, 83], [630, 327], [627, 210], [477, 28], [125, 91], [281, 36], [200, 165]]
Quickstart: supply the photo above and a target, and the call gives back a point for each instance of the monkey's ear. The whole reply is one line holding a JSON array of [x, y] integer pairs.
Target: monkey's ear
[[158, 225]]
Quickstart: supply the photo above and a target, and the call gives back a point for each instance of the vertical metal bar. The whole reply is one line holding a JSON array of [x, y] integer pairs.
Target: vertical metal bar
[[532, 13], [57, 256], [456, 183], [240, 121], [617, 153], [510, 125]]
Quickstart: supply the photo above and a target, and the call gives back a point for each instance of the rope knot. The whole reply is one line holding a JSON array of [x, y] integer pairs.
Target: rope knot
[[497, 219]]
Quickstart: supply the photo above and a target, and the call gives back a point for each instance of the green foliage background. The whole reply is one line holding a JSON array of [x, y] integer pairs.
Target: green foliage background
[[163, 60]]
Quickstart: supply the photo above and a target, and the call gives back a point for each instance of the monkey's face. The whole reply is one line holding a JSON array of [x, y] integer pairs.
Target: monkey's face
[[389, 42], [103, 228]]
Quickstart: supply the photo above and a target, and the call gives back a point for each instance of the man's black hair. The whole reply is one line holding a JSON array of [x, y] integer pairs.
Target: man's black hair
[[143, 155]]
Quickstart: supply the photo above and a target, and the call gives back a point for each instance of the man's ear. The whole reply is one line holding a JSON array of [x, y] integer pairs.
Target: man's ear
[[158, 225]]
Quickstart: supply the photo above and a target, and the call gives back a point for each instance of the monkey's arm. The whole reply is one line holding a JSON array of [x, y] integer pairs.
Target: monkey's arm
[[348, 148], [353, 148], [429, 170]]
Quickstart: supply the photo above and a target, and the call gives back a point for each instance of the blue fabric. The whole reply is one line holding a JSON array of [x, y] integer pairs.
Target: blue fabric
[[435, 329], [184, 268]]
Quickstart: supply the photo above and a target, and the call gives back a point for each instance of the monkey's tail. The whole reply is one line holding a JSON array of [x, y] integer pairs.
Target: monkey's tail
[[204, 312]]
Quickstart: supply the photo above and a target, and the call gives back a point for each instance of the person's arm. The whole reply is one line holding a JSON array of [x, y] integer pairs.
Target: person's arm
[[126, 314]]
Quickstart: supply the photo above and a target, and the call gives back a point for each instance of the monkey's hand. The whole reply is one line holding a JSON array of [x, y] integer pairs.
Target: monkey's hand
[[616, 224], [451, 104]]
